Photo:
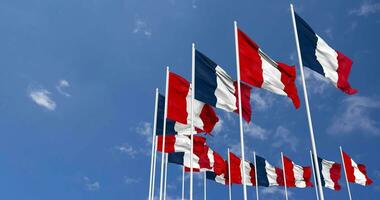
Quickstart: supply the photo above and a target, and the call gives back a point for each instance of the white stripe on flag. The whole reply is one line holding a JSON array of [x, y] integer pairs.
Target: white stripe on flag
[[326, 167], [328, 58], [298, 175], [359, 176], [271, 174], [247, 172], [225, 98], [271, 76]]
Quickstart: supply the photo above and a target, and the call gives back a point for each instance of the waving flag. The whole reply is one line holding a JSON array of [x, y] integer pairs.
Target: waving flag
[[181, 143], [356, 173], [179, 106], [222, 178], [330, 173], [259, 70], [236, 165], [296, 176], [267, 175], [321, 58], [215, 87], [183, 158]]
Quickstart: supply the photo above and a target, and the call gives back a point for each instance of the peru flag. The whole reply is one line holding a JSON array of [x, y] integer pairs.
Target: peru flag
[[330, 172], [267, 175], [356, 173], [222, 178], [236, 166], [179, 106], [215, 87], [259, 70], [180, 143], [321, 58], [296, 176]]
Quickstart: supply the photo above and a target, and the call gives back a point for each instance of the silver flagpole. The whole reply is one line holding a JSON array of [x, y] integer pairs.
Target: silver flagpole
[[192, 117], [256, 179], [345, 173], [284, 174], [315, 179], [164, 132], [240, 108], [183, 182], [166, 175], [153, 145], [229, 175], [154, 167], [204, 186], [313, 145]]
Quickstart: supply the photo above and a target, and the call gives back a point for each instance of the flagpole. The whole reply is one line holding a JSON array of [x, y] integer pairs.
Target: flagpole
[[313, 145], [284, 174], [315, 180], [256, 179], [183, 182], [154, 166], [345, 173], [192, 87], [164, 132], [166, 174], [204, 186], [153, 145], [240, 108], [229, 175]]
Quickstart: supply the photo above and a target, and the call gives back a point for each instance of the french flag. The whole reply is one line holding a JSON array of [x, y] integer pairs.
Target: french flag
[[321, 58], [356, 173], [183, 159], [179, 106], [330, 172], [210, 160], [236, 165], [180, 143], [259, 70], [222, 178], [215, 87], [296, 175], [267, 175]]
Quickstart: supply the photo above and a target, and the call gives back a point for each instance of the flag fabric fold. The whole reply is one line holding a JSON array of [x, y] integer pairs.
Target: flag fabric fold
[[356, 173], [267, 175], [180, 143], [215, 87], [259, 70], [321, 58], [222, 179], [236, 166], [296, 175], [330, 172]]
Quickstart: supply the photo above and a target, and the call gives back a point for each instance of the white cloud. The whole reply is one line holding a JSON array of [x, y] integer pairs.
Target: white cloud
[[194, 4], [129, 180], [366, 8], [283, 137], [315, 82], [256, 131], [91, 185], [218, 127], [262, 100], [274, 190], [329, 33], [127, 149], [142, 28], [62, 84], [145, 129], [356, 115], [41, 97]]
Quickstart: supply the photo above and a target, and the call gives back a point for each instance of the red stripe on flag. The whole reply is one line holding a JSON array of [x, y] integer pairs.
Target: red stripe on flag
[[236, 175], [344, 68], [349, 168], [169, 143], [280, 176], [289, 173], [209, 118], [363, 170], [307, 176], [288, 77], [178, 91], [335, 175], [245, 100]]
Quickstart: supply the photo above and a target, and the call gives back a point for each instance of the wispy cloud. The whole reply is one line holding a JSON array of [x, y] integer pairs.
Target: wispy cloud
[[218, 127], [127, 149], [91, 185], [141, 27], [355, 114], [145, 129], [194, 4], [283, 137], [274, 191], [316, 83], [366, 8], [130, 180], [256, 131], [262, 100], [62, 85], [42, 98]]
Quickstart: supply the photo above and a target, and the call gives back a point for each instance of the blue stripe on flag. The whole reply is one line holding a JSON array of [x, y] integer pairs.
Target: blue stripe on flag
[[308, 44], [160, 119], [210, 175], [320, 169], [176, 158], [262, 178], [205, 79]]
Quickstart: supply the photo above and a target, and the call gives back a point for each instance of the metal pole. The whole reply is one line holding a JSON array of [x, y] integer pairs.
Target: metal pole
[[153, 145], [284, 173], [166, 175], [313, 145], [204, 186], [256, 179], [315, 179], [183, 182], [240, 108], [229, 175], [154, 167], [164, 132], [192, 87], [345, 173]]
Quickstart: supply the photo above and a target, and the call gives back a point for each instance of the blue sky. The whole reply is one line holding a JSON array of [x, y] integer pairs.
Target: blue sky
[[77, 88]]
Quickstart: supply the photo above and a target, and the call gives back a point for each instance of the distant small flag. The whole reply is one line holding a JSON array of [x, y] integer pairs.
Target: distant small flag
[[222, 178], [259, 70], [215, 87], [236, 172], [321, 58], [179, 105], [267, 175], [296, 175], [356, 173], [330, 173]]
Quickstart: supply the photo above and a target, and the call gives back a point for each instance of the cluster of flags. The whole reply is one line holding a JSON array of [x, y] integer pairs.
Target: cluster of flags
[[188, 109]]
